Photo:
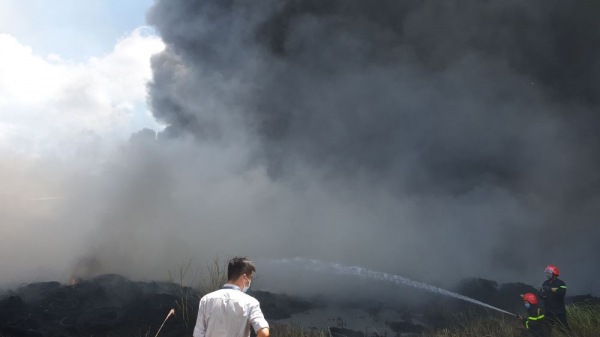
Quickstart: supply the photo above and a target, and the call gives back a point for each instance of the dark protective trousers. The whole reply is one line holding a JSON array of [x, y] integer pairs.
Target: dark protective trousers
[[558, 322], [537, 330], [542, 331]]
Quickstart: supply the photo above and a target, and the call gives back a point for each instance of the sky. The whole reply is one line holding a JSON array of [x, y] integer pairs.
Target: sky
[[75, 30], [72, 68]]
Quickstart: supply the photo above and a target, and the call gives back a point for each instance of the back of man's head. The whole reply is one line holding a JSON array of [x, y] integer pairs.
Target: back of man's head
[[239, 266]]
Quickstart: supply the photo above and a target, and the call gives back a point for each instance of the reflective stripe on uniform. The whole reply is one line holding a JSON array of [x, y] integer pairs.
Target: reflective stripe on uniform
[[532, 319]]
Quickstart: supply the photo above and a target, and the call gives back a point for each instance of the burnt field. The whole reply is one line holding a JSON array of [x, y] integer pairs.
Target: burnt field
[[112, 305]]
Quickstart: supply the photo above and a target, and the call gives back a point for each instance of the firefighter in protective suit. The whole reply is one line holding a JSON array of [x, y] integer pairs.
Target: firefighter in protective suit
[[553, 293], [535, 322]]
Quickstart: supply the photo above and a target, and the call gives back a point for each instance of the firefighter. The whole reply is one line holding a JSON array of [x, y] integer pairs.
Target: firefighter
[[535, 322], [553, 295]]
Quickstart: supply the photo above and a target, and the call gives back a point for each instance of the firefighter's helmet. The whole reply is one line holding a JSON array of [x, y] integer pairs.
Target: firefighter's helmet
[[552, 270], [529, 297]]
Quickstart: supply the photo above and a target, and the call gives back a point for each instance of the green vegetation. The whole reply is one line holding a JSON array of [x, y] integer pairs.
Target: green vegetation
[[480, 326], [583, 318]]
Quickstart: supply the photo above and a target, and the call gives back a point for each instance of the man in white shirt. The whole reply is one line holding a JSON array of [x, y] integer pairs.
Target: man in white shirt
[[229, 312]]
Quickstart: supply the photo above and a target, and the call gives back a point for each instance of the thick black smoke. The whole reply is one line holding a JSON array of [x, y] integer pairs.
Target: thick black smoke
[[466, 130]]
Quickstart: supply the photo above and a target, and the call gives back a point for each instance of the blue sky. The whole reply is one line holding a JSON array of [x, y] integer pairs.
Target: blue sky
[[73, 29], [73, 68]]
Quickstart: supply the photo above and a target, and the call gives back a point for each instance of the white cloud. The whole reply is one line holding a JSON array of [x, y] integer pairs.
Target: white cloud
[[47, 103]]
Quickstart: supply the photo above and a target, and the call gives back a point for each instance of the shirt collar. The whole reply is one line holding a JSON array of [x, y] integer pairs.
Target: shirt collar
[[231, 286]]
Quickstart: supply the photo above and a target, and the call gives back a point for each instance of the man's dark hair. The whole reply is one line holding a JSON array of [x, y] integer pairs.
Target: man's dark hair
[[239, 266]]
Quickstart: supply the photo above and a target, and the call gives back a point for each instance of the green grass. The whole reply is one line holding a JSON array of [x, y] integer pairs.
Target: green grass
[[480, 326], [584, 320]]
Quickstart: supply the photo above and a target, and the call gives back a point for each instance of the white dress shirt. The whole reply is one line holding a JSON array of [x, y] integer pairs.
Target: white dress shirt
[[228, 312]]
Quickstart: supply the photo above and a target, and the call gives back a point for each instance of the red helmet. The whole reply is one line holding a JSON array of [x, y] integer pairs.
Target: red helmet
[[529, 297], [552, 270]]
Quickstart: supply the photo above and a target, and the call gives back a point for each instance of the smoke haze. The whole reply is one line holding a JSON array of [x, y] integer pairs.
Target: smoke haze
[[427, 139]]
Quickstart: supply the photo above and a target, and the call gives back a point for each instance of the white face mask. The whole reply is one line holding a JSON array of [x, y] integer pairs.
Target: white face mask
[[248, 287]]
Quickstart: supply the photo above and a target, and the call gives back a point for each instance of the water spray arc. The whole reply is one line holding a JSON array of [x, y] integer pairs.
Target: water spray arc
[[317, 265]]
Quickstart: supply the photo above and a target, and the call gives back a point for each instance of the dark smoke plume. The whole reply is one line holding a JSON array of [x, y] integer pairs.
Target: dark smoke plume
[[466, 130], [436, 140]]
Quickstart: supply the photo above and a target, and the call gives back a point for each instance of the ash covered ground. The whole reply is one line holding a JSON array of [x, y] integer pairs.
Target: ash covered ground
[[112, 305]]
